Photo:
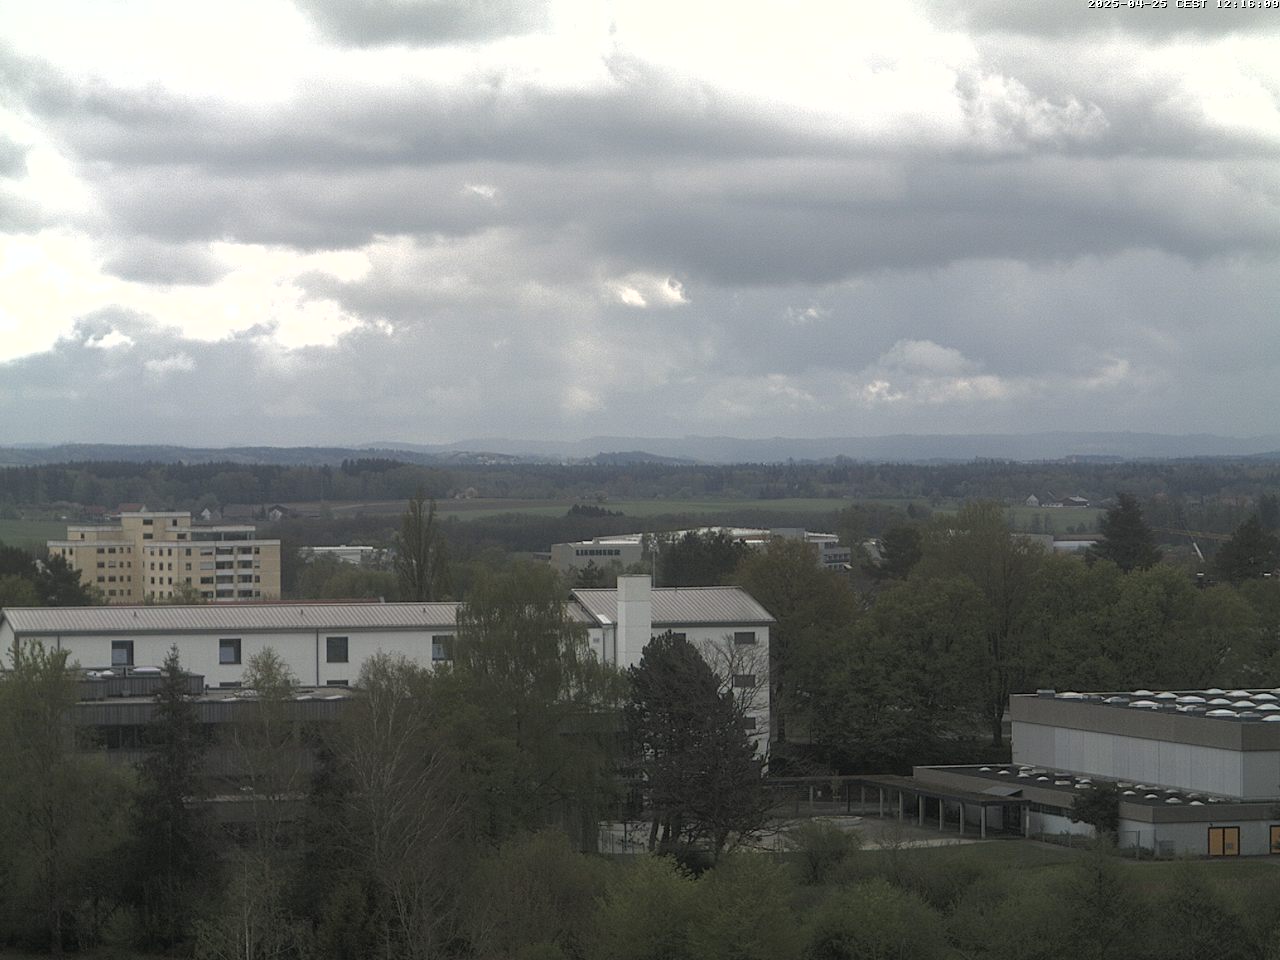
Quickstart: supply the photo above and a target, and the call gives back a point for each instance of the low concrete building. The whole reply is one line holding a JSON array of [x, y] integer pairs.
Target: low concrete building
[[1197, 771], [626, 550]]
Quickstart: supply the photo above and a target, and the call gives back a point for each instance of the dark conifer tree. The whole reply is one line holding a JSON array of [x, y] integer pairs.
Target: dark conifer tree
[[1128, 543], [172, 856], [1251, 552]]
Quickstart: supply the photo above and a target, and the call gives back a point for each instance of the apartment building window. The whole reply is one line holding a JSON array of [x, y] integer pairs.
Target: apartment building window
[[229, 650], [100, 550], [102, 564], [744, 638], [147, 536], [744, 681], [335, 649], [147, 522], [122, 653], [442, 648], [208, 580], [748, 723]]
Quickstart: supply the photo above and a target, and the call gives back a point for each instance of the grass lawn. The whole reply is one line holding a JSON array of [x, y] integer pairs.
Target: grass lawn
[[31, 533]]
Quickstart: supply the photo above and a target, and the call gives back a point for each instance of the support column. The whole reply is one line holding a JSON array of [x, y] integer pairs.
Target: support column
[[919, 810], [881, 789], [982, 814], [942, 814], [1026, 821], [901, 800], [961, 818]]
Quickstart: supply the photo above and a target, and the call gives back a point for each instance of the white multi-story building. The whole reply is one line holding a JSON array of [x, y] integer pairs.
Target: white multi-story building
[[326, 644]]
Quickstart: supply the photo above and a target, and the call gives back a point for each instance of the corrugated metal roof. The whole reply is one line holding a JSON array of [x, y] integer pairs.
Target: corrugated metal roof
[[677, 605], [216, 617], [220, 617]]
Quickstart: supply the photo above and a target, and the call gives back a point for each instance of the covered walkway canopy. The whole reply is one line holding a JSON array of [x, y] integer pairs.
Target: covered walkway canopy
[[1000, 808]]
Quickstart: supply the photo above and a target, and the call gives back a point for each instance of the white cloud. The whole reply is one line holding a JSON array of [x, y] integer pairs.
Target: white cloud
[[109, 340]]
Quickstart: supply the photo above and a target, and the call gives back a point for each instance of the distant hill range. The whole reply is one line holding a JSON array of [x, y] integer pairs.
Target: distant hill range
[[901, 448]]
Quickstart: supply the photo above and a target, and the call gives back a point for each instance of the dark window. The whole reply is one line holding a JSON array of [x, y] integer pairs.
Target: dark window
[[335, 649], [122, 653], [230, 684], [744, 680], [748, 723], [337, 683], [744, 637], [229, 650], [442, 647]]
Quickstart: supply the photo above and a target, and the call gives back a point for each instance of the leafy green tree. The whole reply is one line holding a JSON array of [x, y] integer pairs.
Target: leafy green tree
[[976, 545], [1127, 540], [399, 814], [648, 913], [900, 551], [1147, 636], [811, 606], [747, 911], [1071, 607], [65, 813], [1252, 552], [699, 559], [1196, 919], [911, 676], [699, 775], [821, 848], [1099, 806], [16, 591], [421, 561], [531, 706], [875, 920], [252, 920], [172, 853], [533, 897]]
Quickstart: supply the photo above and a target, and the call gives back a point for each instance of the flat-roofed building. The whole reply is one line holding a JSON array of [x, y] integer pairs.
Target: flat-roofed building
[[1196, 771], [152, 556], [626, 550], [326, 644]]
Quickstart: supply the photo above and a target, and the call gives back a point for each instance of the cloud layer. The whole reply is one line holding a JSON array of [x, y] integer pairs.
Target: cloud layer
[[428, 220]]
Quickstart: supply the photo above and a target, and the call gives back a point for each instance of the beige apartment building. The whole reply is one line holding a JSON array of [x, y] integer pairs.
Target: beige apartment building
[[157, 555]]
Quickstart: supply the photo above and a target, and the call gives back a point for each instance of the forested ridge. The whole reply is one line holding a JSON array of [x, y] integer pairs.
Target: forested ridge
[[1186, 486]]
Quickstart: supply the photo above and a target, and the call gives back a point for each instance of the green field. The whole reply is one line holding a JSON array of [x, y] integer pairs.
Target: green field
[[476, 509], [30, 534]]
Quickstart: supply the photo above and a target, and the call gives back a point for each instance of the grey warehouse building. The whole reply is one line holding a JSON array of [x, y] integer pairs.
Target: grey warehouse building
[[1198, 771]]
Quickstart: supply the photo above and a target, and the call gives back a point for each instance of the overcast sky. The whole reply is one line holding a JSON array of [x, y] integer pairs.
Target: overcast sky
[[340, 221]]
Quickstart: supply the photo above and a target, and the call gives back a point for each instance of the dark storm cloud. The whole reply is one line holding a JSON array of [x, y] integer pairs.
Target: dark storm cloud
[[371, 23], [674, 178]]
